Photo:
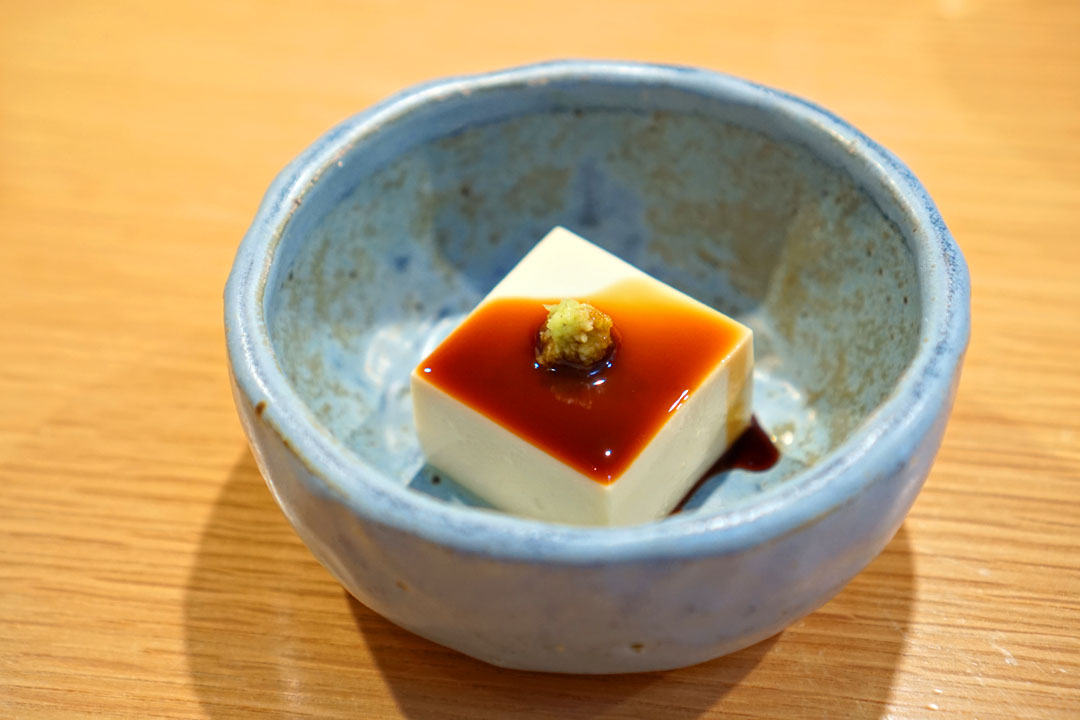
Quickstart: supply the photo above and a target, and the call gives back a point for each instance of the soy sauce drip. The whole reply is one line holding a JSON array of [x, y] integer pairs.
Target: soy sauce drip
[[753, 451]]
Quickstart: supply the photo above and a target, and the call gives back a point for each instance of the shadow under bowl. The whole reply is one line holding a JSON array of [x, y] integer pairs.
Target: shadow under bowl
[[372, 244]]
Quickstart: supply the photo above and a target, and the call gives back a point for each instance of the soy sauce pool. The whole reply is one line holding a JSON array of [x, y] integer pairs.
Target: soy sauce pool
[[599, 424]]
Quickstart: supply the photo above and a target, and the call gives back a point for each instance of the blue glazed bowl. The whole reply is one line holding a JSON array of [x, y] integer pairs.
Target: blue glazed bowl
[[378, 238]]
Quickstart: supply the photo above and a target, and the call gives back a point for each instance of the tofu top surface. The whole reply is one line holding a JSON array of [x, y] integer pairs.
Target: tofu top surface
[[667, 345]]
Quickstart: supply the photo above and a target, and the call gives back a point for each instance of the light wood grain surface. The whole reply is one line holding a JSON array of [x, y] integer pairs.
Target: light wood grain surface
[[146, 572]]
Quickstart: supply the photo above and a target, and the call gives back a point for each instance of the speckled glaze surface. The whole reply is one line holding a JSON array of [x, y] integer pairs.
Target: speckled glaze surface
[[377, 239]]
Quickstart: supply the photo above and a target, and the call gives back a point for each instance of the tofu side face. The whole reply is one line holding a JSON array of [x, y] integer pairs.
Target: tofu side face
[[515, 476]]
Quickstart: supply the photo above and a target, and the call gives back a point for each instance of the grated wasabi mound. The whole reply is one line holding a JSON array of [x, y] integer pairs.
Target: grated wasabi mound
[[575, 333]]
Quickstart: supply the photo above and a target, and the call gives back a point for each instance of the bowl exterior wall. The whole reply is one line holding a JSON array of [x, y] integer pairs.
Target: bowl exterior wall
[[591, 618]]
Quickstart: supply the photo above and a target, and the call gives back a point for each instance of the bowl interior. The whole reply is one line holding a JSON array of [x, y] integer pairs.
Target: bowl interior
[[416, 221]]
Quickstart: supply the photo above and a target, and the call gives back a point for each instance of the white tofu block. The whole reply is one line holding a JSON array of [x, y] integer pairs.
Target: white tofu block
[[502, 466]]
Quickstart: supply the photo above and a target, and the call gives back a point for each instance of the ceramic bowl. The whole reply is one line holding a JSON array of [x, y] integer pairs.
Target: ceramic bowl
[[379, 237]]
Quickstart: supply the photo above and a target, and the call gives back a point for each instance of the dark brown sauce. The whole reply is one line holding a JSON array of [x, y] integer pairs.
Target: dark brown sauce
[[596, 424], [754, 451]]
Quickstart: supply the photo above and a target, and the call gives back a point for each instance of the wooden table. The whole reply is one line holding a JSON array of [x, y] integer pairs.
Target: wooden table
[[145, 570]]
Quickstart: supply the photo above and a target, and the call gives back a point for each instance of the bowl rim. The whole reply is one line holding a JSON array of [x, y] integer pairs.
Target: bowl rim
[[874, 449]]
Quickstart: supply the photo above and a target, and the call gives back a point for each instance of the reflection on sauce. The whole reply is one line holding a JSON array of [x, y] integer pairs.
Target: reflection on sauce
[[754, 451], [596, 424]]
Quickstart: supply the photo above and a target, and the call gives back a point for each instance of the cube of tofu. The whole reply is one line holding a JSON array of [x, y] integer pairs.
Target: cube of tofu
[[618, 444]]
